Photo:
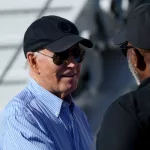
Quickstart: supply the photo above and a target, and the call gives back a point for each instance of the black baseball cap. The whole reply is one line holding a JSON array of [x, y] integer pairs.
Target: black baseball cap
[[54, 33], [137, 29]]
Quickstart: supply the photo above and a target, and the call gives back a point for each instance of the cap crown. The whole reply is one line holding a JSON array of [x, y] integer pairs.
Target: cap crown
[[46, 30], [138, 27]]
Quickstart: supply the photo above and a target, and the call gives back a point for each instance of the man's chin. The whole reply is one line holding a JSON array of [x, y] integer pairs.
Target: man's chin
[[68, 88], [71, 87]]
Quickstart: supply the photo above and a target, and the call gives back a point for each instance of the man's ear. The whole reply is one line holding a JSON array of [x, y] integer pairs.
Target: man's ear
[[32, 60], [138, 60]]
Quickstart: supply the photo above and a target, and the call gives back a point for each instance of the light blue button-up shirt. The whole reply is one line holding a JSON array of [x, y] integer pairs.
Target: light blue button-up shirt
[[36, 119]]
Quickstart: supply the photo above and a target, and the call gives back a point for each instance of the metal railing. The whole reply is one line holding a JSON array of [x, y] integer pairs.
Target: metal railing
[[18, 48]]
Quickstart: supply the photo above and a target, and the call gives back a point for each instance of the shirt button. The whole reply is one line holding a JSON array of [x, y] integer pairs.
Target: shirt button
[[57, 114]]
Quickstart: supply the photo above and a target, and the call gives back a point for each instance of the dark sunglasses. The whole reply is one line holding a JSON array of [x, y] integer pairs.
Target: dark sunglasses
[[125, 48], [60, 58]]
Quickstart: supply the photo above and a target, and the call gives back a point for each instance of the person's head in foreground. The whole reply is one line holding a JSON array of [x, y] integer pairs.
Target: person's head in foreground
[[126, 124], [134, 40], [55, 51]]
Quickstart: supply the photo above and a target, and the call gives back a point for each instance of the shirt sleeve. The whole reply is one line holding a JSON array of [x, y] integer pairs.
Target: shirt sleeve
[[120, 129], [21, 134]]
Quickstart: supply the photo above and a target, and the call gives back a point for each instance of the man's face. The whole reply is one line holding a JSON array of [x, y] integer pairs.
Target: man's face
[[58, 79]]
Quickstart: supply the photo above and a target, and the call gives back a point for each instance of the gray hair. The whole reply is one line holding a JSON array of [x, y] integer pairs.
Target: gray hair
[[133, 71]]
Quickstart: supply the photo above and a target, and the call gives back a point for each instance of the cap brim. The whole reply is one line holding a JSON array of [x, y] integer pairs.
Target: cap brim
[[120, 37], [68, 41]]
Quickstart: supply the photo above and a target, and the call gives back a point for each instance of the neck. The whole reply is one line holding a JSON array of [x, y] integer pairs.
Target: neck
[[63, 96]]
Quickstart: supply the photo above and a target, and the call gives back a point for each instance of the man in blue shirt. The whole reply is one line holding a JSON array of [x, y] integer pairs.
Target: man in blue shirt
[[43, 116]]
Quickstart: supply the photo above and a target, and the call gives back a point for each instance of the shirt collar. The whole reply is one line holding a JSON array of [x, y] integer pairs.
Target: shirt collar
[[51, 101], [68, 105]]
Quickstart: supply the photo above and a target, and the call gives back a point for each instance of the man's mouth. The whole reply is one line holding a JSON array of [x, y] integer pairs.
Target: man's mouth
[[69, 75]]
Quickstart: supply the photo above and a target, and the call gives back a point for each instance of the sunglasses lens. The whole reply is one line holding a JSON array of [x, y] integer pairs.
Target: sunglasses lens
[[79, 55], [59, 58], [124, 49]]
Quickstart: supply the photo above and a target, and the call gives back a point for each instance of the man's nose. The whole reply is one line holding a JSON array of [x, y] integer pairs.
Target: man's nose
[[70, 62]]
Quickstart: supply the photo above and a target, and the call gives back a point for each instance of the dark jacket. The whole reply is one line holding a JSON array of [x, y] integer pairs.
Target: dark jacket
[[126, 123]]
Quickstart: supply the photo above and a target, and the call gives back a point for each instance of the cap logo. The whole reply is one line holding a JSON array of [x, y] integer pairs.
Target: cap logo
[[64, 26]]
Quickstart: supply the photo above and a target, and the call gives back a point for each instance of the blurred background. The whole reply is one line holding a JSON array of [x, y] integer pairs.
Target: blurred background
[[105, 75]]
